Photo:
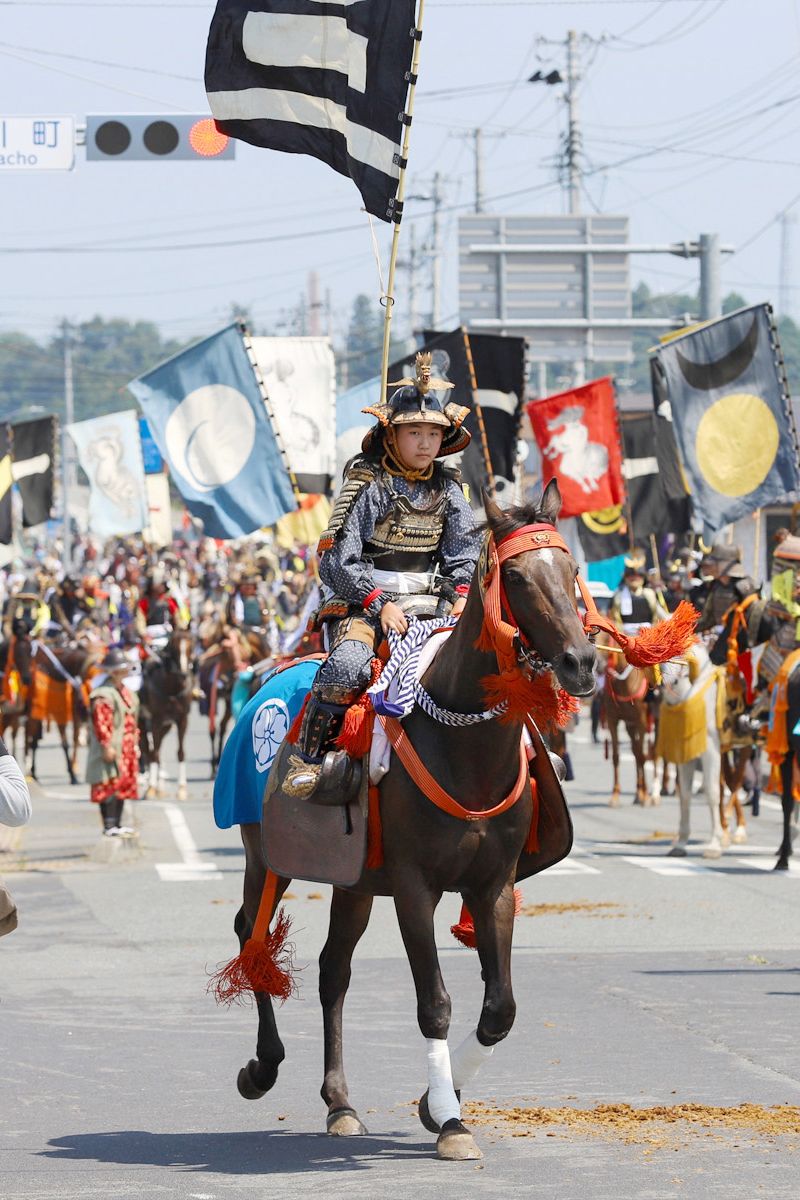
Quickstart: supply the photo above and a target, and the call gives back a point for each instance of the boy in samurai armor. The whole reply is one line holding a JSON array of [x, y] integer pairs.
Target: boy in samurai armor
[[402, 540]]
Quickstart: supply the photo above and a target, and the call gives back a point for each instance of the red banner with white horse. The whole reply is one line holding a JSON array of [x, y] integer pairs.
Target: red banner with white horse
[[578, 436]]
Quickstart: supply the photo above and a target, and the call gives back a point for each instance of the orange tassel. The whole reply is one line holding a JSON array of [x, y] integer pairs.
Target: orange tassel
[[540, 699], [356, 733], [668, 639], [266, 967], [532, 843], [374, 831], [295, 729]]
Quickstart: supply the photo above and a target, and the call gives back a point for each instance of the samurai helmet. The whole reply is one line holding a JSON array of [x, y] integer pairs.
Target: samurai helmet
[[415, 401]]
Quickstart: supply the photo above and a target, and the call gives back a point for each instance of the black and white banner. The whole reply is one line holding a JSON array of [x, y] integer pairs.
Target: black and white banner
[[300, 377], [34, 452], [316, 77]]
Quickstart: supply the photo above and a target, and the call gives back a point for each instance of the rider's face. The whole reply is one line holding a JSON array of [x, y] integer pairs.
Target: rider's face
[[418, 443]]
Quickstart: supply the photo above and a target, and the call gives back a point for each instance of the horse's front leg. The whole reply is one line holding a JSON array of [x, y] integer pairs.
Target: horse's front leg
[[154, 789], [711, 782], [684, 774], [415, 904], [183, 792], [62, 733], [637, 746], [349, 918], [614, 734], [787, 801]]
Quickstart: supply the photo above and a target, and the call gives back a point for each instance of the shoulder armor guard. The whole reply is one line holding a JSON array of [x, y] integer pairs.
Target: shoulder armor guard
[[359, 476]]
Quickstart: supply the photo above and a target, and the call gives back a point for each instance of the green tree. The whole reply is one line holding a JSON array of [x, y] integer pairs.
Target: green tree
[[364, 346]]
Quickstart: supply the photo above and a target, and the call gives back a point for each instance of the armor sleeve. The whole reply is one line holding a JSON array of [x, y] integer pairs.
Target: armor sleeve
[[343, 568], [461, 539]]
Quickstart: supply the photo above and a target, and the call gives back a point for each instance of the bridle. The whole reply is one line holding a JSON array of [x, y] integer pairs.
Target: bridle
[[506, 637]]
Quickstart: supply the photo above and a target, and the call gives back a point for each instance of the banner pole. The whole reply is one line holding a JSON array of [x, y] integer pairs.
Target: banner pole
[[388, 299], [757, 543], [473, 383]]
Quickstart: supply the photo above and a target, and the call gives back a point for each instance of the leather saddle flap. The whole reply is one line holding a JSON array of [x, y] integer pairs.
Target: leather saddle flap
[[310, 841], [555, 823]]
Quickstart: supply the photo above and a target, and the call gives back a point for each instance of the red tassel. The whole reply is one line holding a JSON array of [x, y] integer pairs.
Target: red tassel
[[356, 734], [668, 639], [464, 931], [293, 735], [266, 967], [374, 831]]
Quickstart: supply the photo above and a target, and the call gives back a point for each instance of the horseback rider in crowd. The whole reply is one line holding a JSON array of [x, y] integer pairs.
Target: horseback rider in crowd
[[733, 610], [402, 536], [635, 605], [246, 607], [69, 605]]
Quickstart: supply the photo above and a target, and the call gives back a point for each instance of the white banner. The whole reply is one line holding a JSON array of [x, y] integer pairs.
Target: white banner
[[159, 524], [300, 377], [110, 453]]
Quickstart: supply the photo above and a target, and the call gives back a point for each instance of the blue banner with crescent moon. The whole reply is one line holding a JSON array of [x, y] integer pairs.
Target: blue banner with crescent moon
[[731, 416], [208, 418]]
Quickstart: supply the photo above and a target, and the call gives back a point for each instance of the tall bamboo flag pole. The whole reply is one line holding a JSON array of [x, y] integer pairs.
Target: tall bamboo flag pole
[[473, 383], [388, 299]]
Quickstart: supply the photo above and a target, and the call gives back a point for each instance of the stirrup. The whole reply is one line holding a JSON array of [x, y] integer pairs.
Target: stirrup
[[338, 780]]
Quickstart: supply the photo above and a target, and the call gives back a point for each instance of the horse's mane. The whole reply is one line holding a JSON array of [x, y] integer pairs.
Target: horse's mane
[[517, 516]]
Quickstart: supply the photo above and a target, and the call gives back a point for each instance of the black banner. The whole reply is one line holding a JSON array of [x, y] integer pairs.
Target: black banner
[[672, 480], [34, 454]]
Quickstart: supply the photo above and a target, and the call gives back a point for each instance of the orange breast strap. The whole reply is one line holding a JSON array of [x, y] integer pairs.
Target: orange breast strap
[[436, 794]]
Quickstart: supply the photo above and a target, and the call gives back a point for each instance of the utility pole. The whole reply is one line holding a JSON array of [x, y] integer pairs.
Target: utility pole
[[710, 255], [572, 146], [478, 138], [436, 255], [785, 297], [66, 449], [314, 305]]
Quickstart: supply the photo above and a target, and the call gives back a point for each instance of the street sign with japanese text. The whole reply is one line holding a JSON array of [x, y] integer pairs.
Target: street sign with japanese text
[[38, 143]]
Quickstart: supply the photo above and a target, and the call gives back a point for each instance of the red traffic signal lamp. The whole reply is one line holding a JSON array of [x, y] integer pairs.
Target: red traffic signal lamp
[[156, 138]]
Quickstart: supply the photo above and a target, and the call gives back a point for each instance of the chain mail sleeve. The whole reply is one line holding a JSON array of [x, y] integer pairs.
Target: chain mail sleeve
[[343, 569], [461, 539]]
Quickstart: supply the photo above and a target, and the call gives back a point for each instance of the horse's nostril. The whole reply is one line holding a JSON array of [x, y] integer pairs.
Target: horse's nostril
[[570, 662]]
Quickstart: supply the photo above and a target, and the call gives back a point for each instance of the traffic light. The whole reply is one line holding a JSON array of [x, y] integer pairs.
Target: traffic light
[[152, 138]]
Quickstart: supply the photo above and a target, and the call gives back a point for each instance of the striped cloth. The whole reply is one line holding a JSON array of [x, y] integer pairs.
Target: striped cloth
[[393, 694]]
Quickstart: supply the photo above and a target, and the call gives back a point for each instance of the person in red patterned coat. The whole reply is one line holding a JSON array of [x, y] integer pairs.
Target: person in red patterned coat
[[113, 765]]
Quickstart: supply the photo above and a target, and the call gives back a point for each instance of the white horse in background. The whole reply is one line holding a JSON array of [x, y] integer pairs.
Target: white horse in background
[[684, 680]]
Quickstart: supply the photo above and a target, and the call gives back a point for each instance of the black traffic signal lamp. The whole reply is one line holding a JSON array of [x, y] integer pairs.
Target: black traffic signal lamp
[[152, 138]]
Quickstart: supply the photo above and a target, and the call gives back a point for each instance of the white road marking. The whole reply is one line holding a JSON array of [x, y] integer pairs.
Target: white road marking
[[768, 864], [193, 867], [570, 866], [666, 866]]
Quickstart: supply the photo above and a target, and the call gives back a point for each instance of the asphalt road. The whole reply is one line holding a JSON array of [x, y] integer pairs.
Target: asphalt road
[[646, 981]]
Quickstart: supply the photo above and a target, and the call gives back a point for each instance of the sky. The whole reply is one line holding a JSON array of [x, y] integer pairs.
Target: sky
[[689, 113]]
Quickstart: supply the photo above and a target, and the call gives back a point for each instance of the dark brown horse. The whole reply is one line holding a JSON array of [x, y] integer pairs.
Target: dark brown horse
[[165, 700], [624, 703], [58, 676], [428, 852]]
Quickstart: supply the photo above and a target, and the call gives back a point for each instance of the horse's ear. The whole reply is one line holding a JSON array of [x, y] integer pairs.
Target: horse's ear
[[550, 503], [494, 513]]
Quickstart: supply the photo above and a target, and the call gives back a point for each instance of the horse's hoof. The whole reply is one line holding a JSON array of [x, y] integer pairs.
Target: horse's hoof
[[740, 835], [425, 1114], [725, 839], [456, 1143], [712, 852], [183, 792], [781, 865], [248, 1088], [344, 1122], [677, 852], [151, 793], [614, 801]]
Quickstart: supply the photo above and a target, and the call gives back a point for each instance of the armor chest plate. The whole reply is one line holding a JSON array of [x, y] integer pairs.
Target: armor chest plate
[[408, 538]]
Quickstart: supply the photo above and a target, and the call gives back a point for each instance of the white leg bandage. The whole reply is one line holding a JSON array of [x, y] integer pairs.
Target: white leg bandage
[[153, 774], [442, 1101], [467, 1059], [182, 774]]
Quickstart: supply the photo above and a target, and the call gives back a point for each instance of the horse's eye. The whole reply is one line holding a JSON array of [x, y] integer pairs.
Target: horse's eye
[[514, 576]]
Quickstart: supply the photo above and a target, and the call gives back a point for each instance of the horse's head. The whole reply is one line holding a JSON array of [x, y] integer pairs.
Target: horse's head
[[540, 592], [679, 675]]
